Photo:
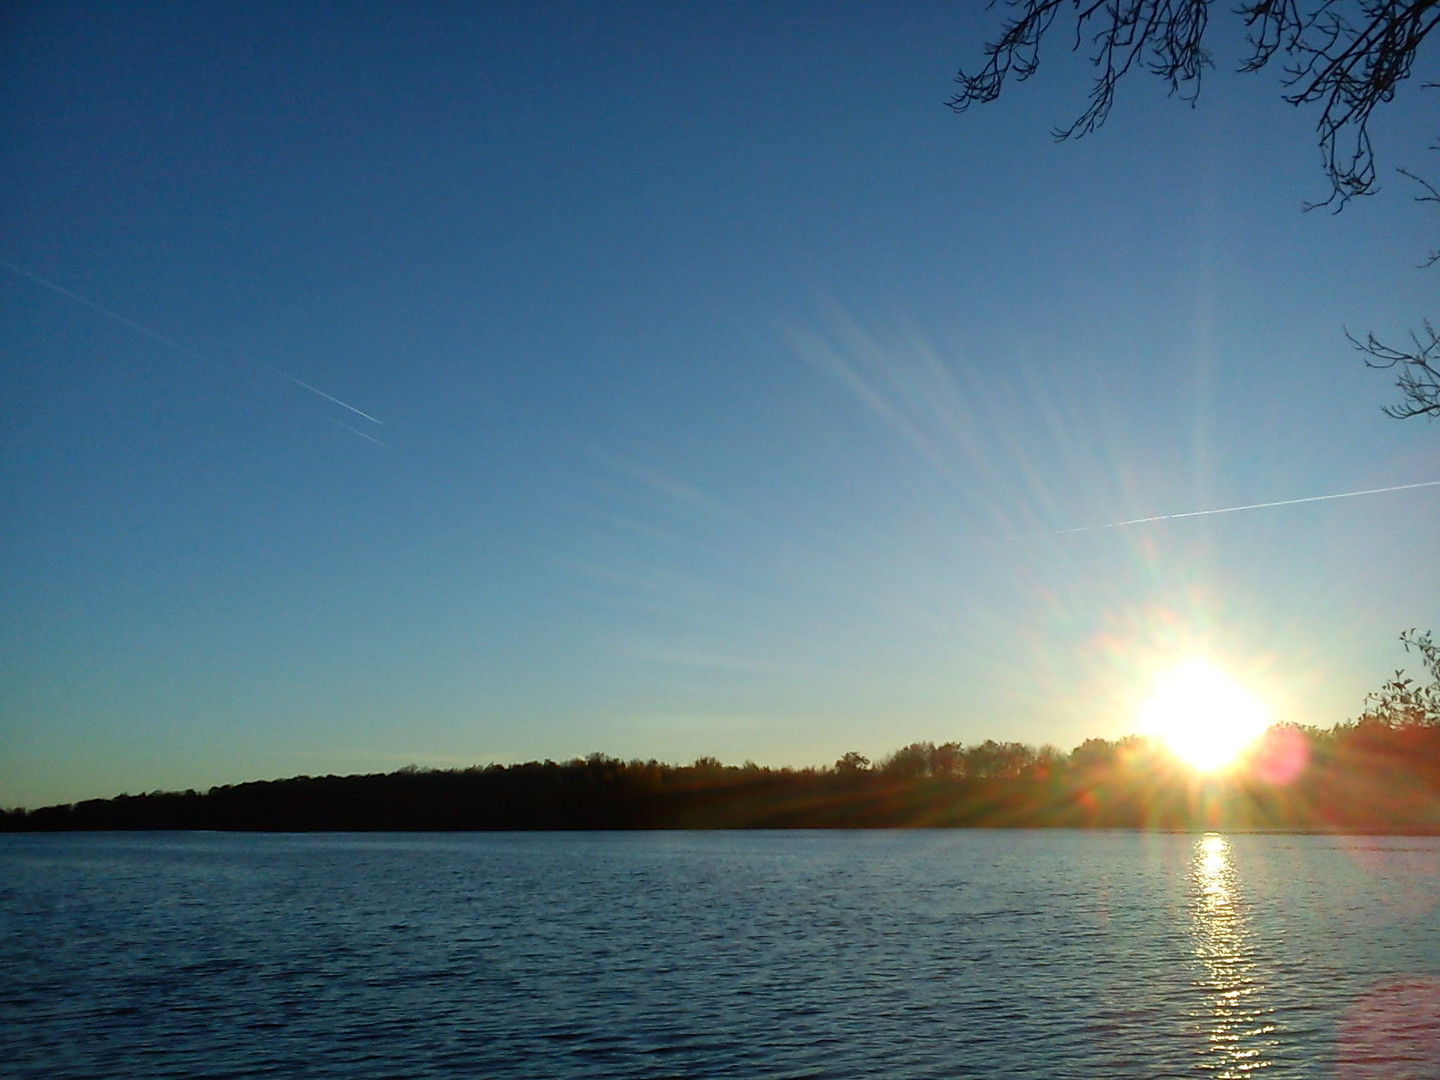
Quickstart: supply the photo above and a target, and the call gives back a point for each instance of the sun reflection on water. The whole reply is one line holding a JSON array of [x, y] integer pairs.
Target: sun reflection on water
[[1240, 1037]]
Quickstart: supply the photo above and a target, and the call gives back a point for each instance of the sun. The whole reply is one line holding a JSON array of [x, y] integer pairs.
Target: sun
[[1203, 716]]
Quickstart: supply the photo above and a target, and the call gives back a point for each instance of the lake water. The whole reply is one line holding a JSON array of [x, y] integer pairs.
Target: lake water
[[763, 954]]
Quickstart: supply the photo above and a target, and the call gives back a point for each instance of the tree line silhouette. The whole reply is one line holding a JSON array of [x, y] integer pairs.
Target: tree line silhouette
[[1371, 775], [1379, 773]]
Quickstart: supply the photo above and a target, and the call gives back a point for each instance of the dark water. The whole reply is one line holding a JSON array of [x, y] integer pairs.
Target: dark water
[[786, 954]]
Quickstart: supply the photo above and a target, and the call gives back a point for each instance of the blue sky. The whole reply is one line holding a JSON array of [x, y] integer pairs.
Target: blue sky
[[735, 395]]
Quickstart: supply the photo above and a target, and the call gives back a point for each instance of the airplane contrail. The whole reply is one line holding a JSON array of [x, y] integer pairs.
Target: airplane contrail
[[354, 430], [1247, 506], [55, 287]]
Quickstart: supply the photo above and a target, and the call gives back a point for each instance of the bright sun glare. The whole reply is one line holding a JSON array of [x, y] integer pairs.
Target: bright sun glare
[[1203, 716]]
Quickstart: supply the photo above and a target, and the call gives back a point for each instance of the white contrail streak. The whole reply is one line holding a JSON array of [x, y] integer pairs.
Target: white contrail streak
[[1247, 506], [55, 287], [354, 430]]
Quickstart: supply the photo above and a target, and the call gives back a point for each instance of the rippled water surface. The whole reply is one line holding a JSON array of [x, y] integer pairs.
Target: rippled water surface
[[780, 954]]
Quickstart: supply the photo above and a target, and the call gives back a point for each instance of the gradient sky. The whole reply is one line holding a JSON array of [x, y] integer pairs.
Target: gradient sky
[[735, 395]]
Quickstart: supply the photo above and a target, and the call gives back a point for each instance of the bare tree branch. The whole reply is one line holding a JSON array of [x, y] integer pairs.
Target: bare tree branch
[[1345, 56], [1430, 195], [1419, 365]]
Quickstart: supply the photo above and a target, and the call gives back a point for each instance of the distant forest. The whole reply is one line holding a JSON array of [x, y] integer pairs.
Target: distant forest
[[1379, 774]]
